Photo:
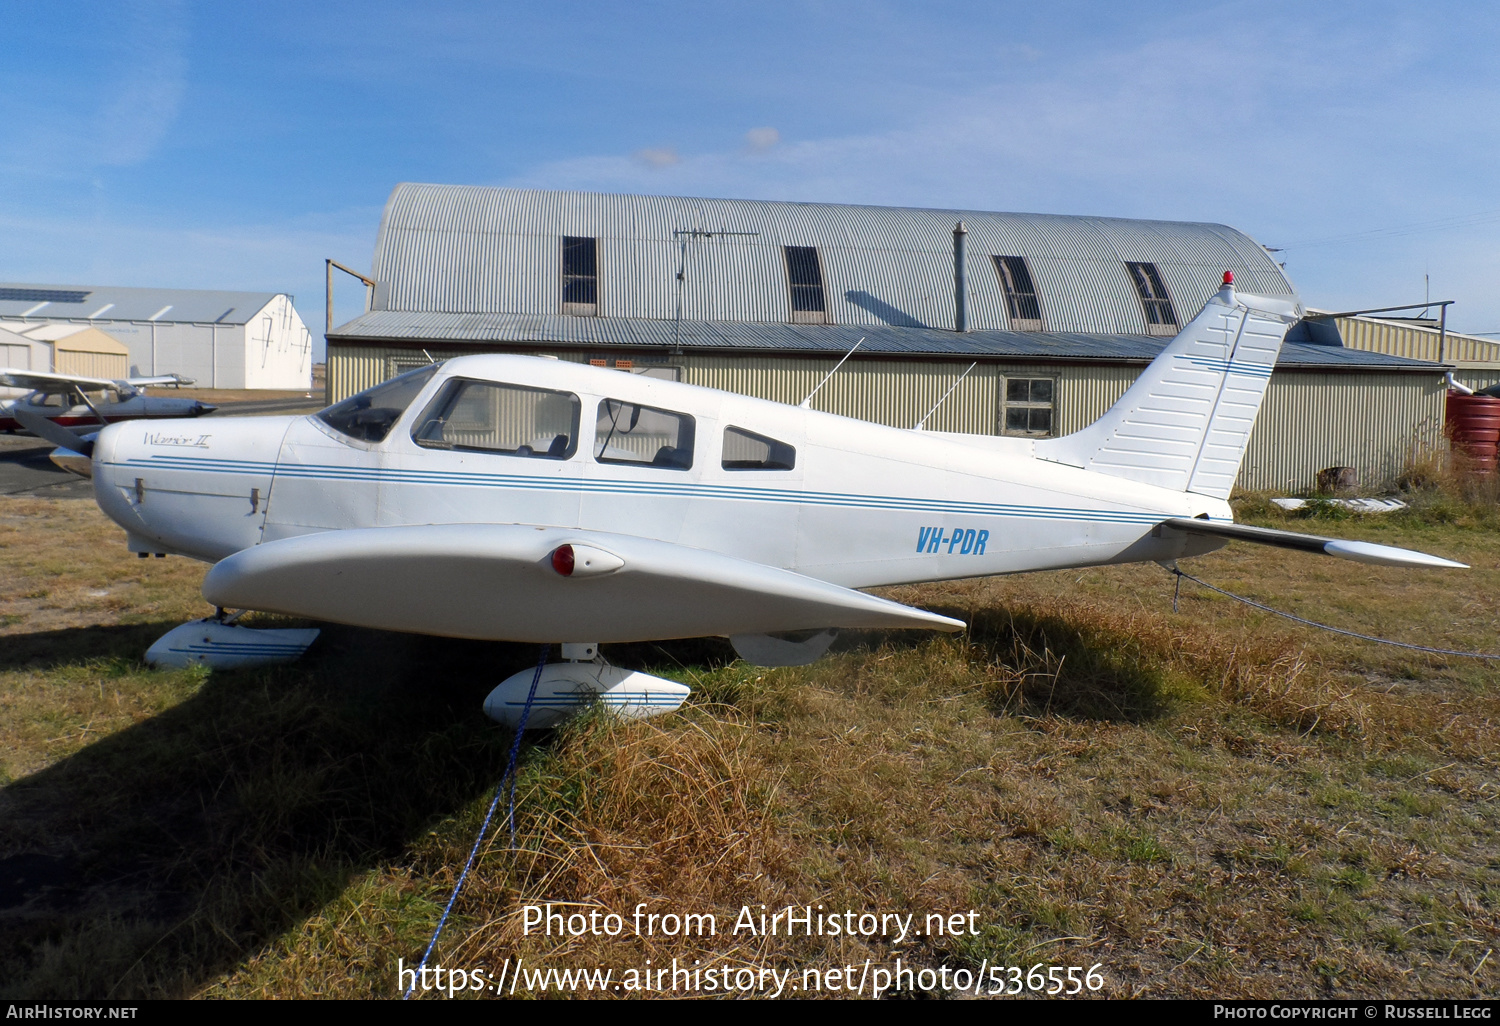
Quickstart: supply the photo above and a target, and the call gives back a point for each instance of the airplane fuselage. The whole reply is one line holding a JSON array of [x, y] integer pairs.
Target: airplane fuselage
[[845, 501], [66, 412]]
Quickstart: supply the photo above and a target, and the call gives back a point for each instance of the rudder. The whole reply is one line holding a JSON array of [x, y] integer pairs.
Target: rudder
[[1186, 421]]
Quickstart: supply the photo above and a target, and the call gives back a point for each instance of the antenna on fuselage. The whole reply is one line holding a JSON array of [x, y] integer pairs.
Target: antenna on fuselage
[[922, 424], [808, 401]]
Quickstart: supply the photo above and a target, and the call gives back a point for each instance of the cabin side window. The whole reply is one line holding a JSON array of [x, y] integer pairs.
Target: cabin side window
[[1161, 319], [486, 416], [745, 450], [630, 433], [1027, 406]]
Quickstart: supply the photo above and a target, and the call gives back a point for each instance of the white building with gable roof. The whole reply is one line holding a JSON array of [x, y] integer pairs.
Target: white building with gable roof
[[219, 339]]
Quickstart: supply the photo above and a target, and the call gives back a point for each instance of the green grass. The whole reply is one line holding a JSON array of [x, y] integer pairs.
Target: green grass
[[1213, 803]]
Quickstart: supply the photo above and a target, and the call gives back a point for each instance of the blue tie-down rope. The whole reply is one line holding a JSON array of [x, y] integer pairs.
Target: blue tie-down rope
[[510, 771], [1323, 626]]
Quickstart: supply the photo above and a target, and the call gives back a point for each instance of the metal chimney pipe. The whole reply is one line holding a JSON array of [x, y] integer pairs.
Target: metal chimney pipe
[[960, 293]]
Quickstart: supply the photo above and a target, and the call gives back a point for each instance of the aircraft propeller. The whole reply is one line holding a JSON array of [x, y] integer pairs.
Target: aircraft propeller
[[54, 433]]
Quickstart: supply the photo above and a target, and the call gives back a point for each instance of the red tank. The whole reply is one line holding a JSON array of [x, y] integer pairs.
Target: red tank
[[1473, 424]]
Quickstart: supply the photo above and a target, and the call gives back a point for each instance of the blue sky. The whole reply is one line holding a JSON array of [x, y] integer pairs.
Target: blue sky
[[165, 143]]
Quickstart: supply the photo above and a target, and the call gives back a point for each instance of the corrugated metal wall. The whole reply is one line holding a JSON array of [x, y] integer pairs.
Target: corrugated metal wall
[[91, 365], [1375, 422], [1478, 377], [466, 249], [1415, 342]]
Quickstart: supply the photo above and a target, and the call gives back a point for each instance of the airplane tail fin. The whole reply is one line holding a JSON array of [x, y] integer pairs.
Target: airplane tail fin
[[1186, 422]]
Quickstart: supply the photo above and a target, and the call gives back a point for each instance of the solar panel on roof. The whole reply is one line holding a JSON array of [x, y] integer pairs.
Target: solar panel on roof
[[42, 295]]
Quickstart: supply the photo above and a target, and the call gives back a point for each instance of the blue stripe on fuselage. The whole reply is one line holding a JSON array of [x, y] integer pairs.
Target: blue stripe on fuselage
[[671, 489]]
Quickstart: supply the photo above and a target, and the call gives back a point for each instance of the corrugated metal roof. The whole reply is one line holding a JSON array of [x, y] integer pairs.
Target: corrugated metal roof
[[645, 333], [479, 250], [110, 303]]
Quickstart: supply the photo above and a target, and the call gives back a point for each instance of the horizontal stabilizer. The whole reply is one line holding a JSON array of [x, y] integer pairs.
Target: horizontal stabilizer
[[1360, 552], [508, 582]]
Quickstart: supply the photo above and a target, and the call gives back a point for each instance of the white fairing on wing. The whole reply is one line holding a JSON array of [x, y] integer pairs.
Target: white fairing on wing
[[221, 646], [566, 689], [497, 582], [1186, 422], [768, 650]]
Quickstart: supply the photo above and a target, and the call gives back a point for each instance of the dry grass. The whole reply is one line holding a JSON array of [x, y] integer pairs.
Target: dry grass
[[1209, 803]]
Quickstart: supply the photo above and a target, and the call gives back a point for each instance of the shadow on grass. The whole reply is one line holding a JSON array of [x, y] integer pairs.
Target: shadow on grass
[[164, 855], [46, 650], [1037, 664], [159, 857]]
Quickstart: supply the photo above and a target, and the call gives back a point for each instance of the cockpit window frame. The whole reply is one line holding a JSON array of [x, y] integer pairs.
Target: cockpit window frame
[[351, 406]]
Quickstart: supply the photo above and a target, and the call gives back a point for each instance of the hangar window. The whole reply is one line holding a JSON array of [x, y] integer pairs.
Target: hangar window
[[1160, 318], [580, 276], [486, 416], [1020, 293], [745, 450], [627, 433], [1027, 406], [804, 275]]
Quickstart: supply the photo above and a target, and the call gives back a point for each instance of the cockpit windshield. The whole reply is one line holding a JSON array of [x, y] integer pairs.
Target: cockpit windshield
[[370, 414]]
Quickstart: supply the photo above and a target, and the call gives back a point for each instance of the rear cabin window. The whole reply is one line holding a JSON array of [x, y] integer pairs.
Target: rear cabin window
[[370, 415], [511, 420], [628, 433], [745, 450]]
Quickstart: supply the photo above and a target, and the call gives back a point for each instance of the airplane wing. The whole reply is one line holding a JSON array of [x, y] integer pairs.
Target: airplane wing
[[519, 583], [43, 381], [174, 380], [1361, 552]]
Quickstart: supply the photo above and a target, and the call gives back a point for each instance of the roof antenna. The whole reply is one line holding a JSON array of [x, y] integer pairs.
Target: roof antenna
[[806, 403], [922, 424], [683, 235]]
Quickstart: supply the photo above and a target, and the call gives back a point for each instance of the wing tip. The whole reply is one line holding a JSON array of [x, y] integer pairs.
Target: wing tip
[[1388, 555]]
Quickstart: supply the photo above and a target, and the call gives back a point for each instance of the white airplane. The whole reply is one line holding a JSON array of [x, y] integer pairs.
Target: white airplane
[[526, 499], [84, 403]]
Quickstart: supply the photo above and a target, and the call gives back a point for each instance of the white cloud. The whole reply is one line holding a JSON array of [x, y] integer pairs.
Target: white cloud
[[664, 156], [761, 139]]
